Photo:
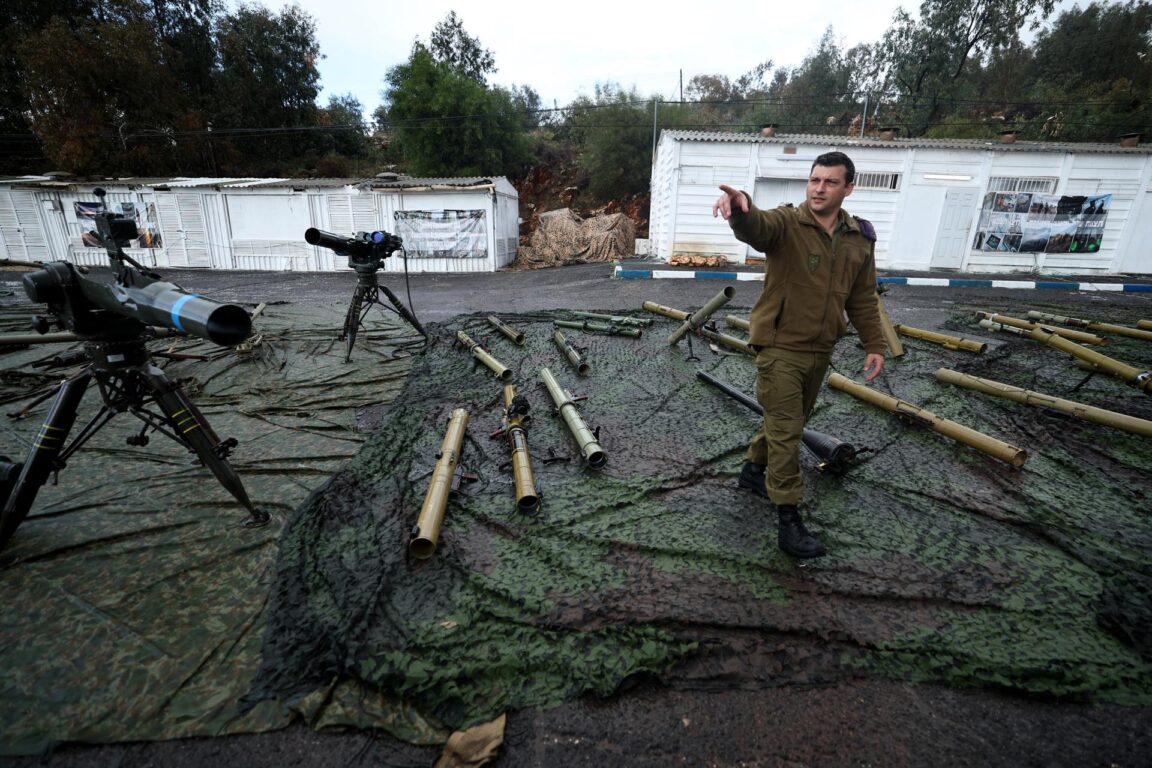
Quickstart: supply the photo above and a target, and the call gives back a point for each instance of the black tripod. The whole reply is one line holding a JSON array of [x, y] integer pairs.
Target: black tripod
[[367, 293], [122, 368]]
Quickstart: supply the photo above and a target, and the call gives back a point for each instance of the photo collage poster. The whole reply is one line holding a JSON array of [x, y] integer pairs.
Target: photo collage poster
[[1027, 222], [444, 234]]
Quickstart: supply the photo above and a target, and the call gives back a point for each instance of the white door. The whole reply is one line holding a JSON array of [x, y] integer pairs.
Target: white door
[[954, 236]]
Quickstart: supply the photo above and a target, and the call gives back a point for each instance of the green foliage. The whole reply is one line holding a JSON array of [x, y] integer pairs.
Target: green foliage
[[453, 46], [268, 78], [614, 131], [445, 123]]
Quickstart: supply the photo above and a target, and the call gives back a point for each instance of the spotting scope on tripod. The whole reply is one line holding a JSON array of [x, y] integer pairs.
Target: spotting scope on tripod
[[366, 252], [114, 321]]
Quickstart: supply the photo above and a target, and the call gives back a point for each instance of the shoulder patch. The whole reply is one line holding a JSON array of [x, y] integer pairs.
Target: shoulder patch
[[866, 228]]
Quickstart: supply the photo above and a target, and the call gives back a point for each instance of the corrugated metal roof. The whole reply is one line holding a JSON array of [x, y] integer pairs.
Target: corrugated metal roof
[[404, 182], [245, 182], [981, 145]]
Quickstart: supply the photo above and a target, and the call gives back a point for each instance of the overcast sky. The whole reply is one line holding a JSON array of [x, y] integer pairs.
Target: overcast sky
[[562, 50]]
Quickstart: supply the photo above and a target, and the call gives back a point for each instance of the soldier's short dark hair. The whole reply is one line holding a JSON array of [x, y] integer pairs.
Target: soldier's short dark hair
[[832, 159]]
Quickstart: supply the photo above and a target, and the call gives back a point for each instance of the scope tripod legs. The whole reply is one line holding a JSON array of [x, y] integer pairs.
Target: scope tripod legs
[[366, 294], [128, 389]]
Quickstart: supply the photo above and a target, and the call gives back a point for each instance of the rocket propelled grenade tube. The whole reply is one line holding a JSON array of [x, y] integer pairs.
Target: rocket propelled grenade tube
[[728, 341], [427, 531], [1075, 322], [1015, 322], [605, 328], [1144, 325], [695, 321], [835, 456], [643, 322], [1028, 397], [663, 311], [589, 446], [570, 352], [989, 445], [1135, 377], [895, 348], [943, 339], [515, 409], [478, 353], [742, 323], [516, 336]]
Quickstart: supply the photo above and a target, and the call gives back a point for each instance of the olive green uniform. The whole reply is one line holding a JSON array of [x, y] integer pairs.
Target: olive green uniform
[[811, 280]]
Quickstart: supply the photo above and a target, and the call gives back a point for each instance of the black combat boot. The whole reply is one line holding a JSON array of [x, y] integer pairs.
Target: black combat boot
[[794, 537], [752, 478]]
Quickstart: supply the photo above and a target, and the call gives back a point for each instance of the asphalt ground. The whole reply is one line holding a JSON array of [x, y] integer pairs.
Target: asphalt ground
[[859, 723]]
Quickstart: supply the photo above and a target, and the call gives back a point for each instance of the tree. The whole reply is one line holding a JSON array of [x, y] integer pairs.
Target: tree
[[818, 95], [112, 105], [453, 46], [922, 61], [1099, 44], [444, 122], [347, 134], [267, 86], [614, 131]]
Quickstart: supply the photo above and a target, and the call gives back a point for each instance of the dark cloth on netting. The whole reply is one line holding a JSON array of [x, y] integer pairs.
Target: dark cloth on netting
[[945, 564]]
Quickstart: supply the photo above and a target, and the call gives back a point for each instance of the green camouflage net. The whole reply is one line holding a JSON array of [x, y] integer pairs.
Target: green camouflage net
[[944, 564], [133, 599]]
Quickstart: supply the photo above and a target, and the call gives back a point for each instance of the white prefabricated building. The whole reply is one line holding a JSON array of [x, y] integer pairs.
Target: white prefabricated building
[[937, 204], [447, 225]]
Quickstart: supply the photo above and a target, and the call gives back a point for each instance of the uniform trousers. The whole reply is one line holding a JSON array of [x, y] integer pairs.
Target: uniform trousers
[[787, 384]]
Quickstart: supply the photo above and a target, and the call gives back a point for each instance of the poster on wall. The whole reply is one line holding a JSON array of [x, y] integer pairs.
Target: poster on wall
[[443, 234], [147, 229], [1027, 222]]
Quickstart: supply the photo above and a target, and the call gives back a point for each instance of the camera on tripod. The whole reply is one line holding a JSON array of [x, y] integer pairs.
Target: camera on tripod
[[365, 250]]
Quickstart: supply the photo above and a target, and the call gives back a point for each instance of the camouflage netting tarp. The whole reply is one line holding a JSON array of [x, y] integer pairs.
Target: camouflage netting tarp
[[944, 564], [563, 237], [133, 599]]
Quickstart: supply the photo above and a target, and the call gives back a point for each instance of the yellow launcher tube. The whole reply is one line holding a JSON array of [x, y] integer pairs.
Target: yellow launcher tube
[[989, 445], [427, 531], [702, 314], [478, 353], [1040, 400], [1142, 380], [527, 500], [663, 311], [1015, 322], [1119, 330], [1144, 325], [728, 341], [895, 348], [570, 352], [741, 323], [950, 342], [589, 447], [516, 336]]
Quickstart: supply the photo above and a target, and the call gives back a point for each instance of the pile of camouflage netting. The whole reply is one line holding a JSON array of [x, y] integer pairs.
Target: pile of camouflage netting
[[945, 564], [136, 606]]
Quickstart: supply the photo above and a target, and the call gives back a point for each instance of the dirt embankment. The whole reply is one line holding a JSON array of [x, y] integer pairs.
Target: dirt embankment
[[548, 188]]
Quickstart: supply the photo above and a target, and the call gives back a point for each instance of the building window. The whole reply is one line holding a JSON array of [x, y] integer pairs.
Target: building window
[[1045, 185], [878, 181]]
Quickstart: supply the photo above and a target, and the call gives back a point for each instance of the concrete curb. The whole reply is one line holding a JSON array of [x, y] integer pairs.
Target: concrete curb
[[937, 282]]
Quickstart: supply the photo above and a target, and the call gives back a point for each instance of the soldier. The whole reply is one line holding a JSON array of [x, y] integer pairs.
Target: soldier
[[819, 264]]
